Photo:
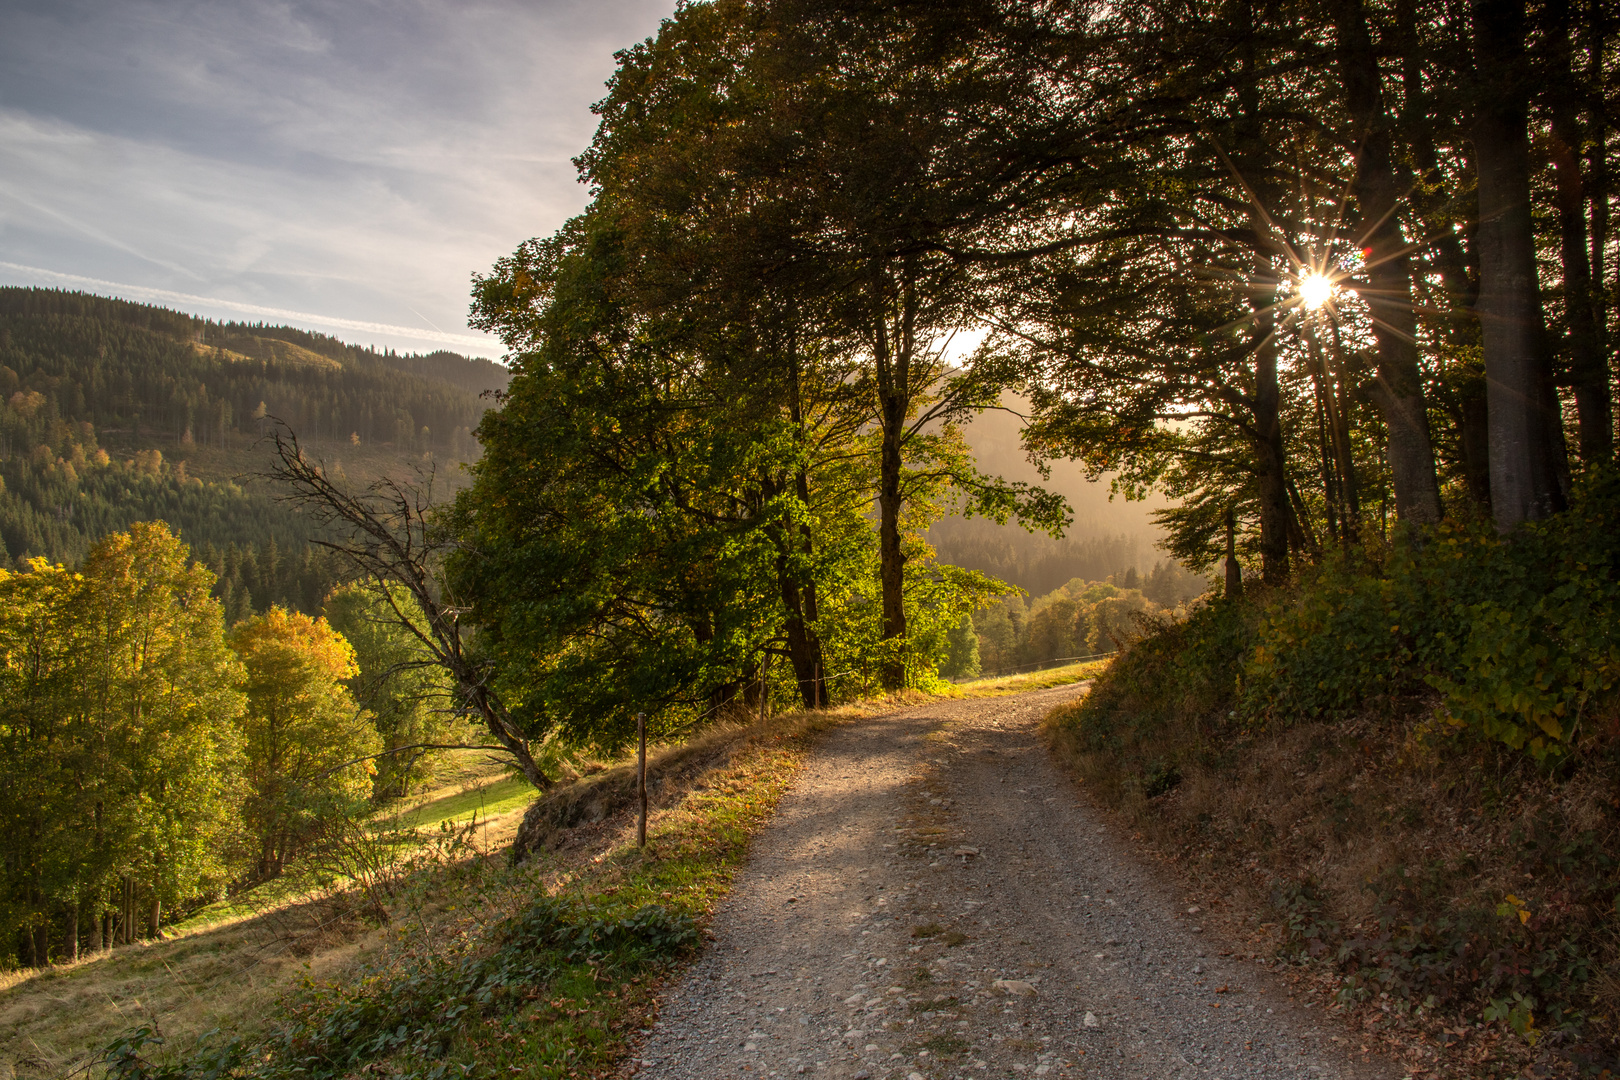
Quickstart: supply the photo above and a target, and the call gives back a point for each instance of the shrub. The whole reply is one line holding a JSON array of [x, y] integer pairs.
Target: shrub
[[1181, 672], [1521, 636]]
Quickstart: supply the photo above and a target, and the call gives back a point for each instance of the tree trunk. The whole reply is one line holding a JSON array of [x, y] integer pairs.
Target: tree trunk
[[1234, 572], [803, 646], [70, 936], [1598, 166], [1377, 191], [1324, 451], [1525, 431], [1474, 436], [1270, 473], [1588, 371], [154, 915], [795, 543], [1339, 396], [1301, 536], [1271, 480], [892, 558], [1333, 407], [892, 360]]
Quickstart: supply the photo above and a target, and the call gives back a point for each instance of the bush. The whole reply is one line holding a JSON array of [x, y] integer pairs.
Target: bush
[[1181, 673], [1521, 636]]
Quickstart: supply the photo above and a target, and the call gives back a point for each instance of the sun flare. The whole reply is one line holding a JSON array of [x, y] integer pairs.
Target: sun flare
[[1315, 289]]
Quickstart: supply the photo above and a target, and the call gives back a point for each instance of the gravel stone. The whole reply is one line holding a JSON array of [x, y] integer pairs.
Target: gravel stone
[[951, 820]]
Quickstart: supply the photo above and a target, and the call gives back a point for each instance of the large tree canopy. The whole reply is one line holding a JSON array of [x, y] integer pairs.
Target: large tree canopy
[[1278, 262]]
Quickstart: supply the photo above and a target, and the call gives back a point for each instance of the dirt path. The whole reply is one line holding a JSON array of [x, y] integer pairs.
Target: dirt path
[[1051, 948]]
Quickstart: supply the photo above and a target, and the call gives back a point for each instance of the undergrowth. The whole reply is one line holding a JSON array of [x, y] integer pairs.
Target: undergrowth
[[1404, 770]]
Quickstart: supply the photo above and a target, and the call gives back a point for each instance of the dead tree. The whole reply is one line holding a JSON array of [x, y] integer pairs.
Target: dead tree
[[384, 532]]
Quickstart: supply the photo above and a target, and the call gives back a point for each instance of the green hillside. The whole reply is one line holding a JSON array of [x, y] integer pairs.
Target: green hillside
[[113, 412]]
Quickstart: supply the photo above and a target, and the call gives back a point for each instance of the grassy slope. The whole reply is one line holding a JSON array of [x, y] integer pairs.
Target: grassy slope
[[243, 964], [222, 967]]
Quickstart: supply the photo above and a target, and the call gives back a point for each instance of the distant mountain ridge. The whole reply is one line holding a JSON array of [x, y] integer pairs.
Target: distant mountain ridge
[[129, 365], [113, 412]]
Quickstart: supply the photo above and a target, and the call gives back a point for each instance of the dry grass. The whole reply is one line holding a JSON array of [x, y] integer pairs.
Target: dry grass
[[222, 968], [53, 1023], [1382, 816]]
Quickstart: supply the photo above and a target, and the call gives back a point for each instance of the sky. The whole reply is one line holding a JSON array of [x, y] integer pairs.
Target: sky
[[343, 166]]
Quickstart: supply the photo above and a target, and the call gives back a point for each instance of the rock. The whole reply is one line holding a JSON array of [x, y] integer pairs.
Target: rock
[[1016, 987], [966, 851], [1091, 1020], [749, 1046], [862, 1075], [871, 1047], [854, 999], [915, 1076], [1195, 909]]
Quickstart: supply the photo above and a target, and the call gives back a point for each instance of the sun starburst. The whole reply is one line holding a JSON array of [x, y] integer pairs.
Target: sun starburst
[[1315, 289]]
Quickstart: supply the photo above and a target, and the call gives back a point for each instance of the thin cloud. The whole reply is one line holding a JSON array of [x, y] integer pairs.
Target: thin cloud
[[318, 156], [89, 230]]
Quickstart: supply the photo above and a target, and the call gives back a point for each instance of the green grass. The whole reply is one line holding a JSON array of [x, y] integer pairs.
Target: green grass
[[277, 892], [486, 801], [998, 686]]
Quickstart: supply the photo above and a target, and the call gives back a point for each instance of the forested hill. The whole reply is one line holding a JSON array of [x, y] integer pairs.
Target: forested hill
[[135, 370], [113, 412]]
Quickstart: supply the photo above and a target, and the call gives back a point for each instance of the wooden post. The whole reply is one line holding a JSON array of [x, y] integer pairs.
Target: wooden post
[[641, 779], [764, 667]]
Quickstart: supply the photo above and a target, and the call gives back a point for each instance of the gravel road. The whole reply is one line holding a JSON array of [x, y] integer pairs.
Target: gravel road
[[934, 900]]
